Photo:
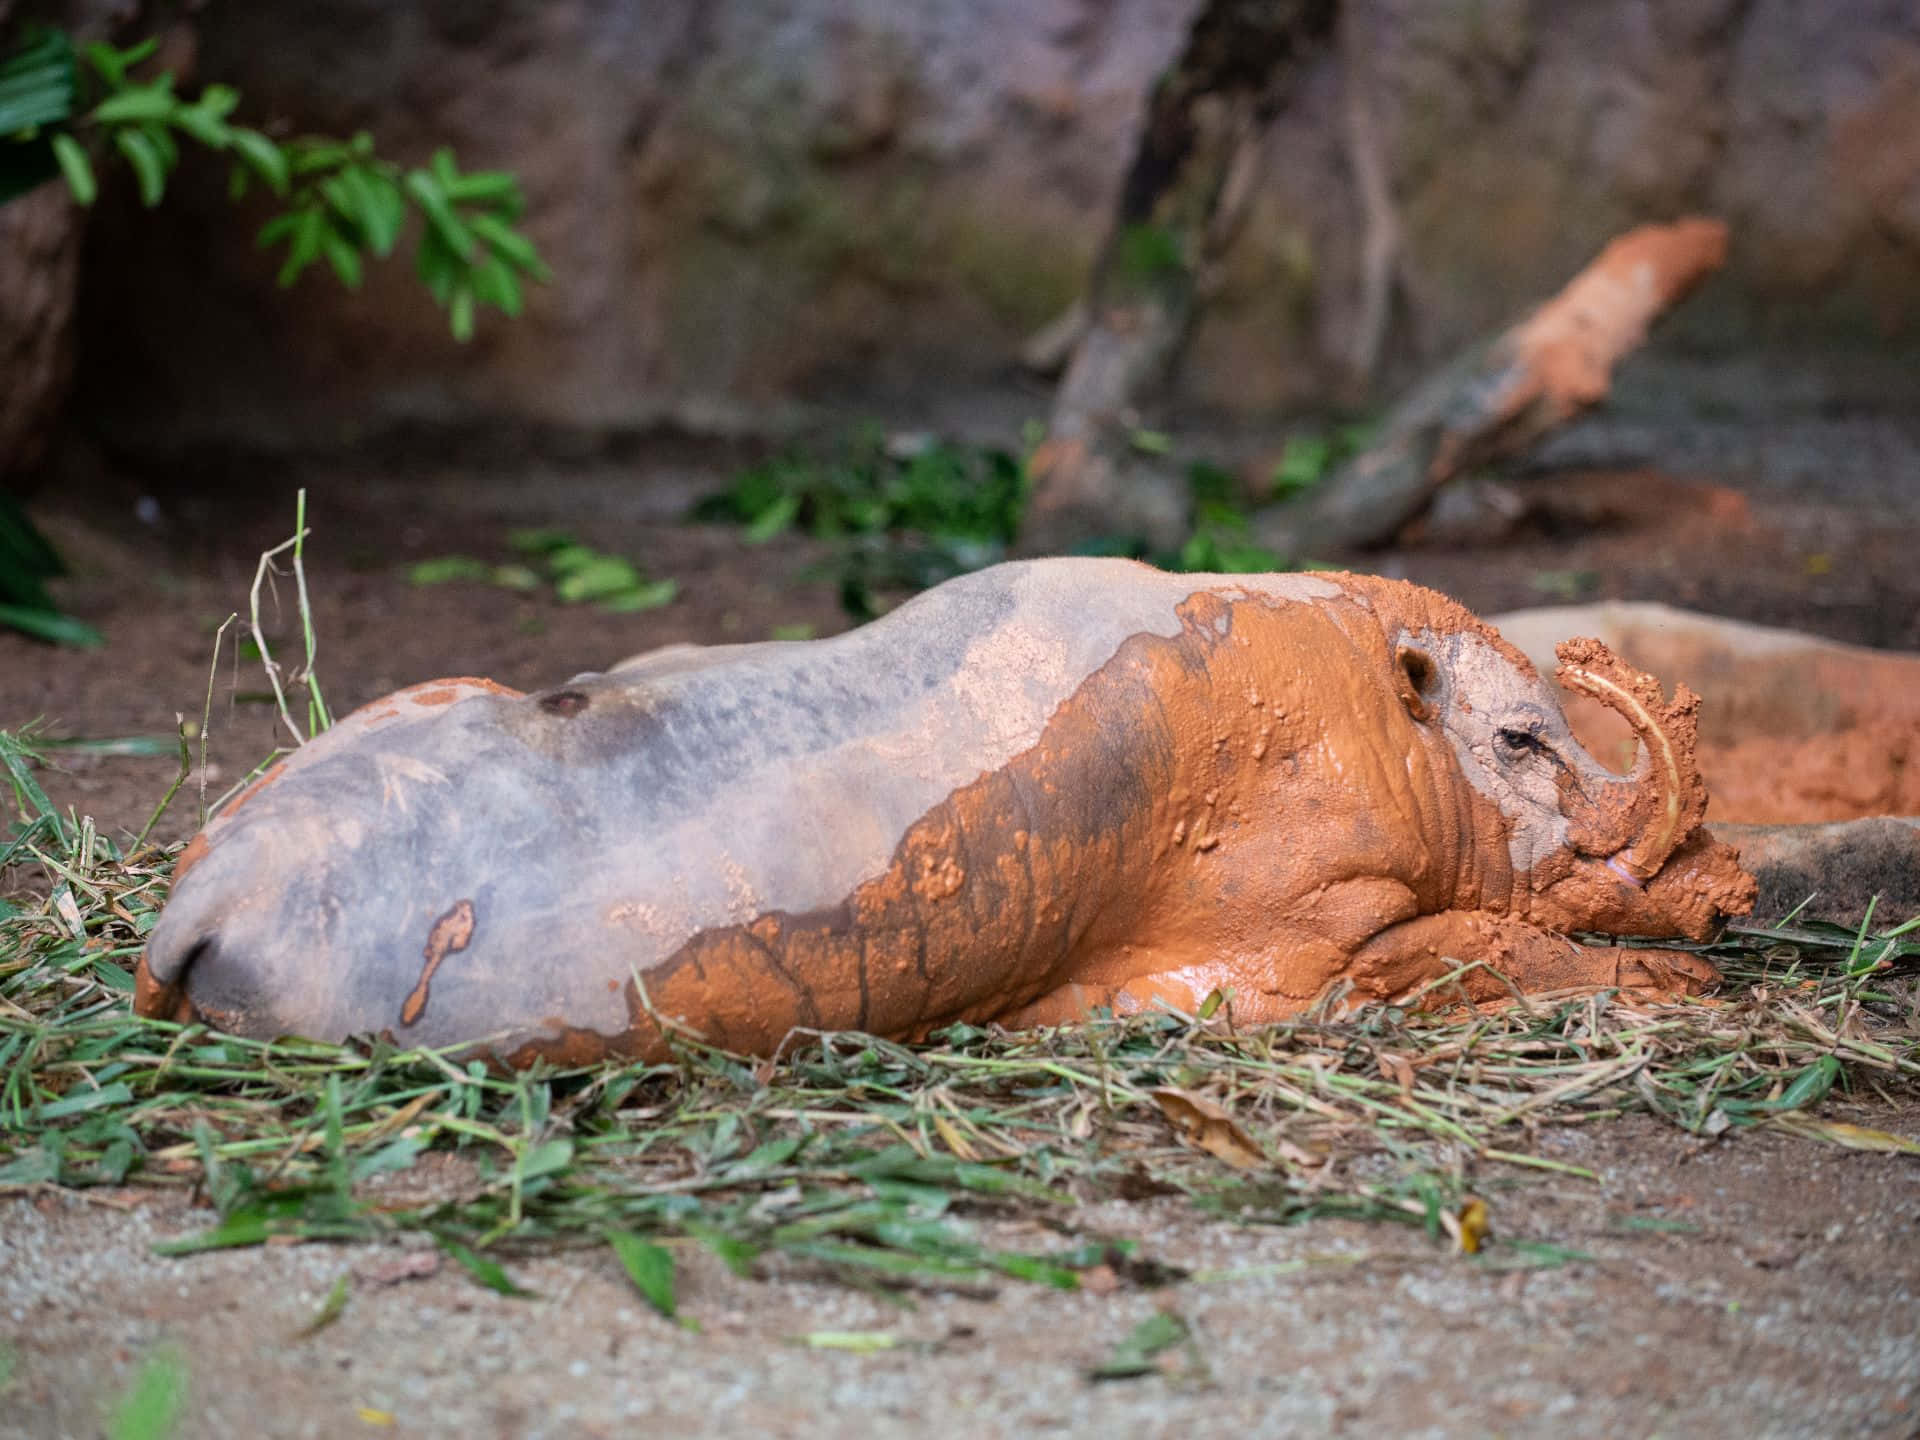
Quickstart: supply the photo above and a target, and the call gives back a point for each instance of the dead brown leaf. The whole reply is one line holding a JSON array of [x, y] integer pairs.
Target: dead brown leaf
[[1853, 1137], [1207, 1124], [1395, 1068]]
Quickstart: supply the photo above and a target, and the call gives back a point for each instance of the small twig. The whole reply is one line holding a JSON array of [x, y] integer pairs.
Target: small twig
[[317, 717], [206, 715], [260, 638], [186, 769]]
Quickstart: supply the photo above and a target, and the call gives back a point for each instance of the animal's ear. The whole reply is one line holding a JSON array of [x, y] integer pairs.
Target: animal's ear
[[1416, 677]]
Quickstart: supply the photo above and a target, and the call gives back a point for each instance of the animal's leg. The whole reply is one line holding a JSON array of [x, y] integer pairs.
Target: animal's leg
[[1405, 956]]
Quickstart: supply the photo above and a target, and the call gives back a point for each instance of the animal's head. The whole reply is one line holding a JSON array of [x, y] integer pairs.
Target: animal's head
[[1589, 849]]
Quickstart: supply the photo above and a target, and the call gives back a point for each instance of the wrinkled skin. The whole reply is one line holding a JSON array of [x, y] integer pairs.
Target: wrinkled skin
[[1036, 790]]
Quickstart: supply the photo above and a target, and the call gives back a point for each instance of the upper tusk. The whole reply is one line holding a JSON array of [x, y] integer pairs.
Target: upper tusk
[[1658, 841]]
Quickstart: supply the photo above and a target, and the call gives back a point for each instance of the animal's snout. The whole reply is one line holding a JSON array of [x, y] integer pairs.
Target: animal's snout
[[195, 974]]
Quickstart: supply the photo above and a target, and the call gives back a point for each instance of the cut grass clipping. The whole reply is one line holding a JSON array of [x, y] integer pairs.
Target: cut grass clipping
[[873, 1161]]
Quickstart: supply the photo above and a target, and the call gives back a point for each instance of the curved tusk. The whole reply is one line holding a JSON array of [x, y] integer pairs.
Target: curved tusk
[[1660, 838]]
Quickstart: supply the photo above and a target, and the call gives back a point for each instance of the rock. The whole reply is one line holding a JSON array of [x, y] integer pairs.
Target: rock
[[39, 259], [749, 205]]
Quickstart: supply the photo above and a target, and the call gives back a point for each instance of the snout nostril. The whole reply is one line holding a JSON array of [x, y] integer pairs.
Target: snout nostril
[[197, 951], [160, 991], [564, 703]]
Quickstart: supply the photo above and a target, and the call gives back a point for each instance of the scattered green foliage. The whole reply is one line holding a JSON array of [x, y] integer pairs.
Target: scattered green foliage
[[900, 512], [1312, 455], [1221, 542], [62, 109], [27, 562], [579, 574], [341, 202], [906, 512], [864, 1158], [882, 1163]]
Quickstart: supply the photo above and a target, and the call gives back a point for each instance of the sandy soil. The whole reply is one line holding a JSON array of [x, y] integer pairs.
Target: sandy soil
[[1787, 1303], [1734, 1288]]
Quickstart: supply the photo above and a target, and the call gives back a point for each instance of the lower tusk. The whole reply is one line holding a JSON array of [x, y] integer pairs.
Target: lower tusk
[[1638, 882]]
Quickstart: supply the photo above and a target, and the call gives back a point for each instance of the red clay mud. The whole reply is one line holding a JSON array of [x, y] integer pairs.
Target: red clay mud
[[449, 935]]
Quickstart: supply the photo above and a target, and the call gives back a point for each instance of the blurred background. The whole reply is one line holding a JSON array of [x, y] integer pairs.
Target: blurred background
[[820, 266]]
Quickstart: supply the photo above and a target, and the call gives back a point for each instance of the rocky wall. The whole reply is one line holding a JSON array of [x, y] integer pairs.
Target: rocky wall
[[753, 205]]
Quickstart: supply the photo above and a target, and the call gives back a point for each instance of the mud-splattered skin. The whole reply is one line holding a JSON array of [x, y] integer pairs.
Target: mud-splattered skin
[[1035, 790]]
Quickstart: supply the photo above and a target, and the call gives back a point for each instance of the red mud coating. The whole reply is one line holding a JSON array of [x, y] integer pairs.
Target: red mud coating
[[451, 933], [1400, 873]]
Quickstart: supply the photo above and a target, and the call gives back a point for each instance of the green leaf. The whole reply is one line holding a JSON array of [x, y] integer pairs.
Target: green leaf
[[736, 1254], [549, 1157], [542, 541], [75, 165], [310, 157], [482, 187], [161, 138], [306, 235], [1809, 1086], [36, 82], [489, 1273], [243, 1228], [776, 518], [151, 1409], [444, 568], [51, 626], [209, 129], [113, 64], [343, 257], [601, 577], [267, 159], [432, 200], [330, 1309], [141, 102], [509, 244], [494, 283], [1134, 1355], [859, 1342], [649, 1266], [460, 313], [147, 165], [278, 228], [218, 101], [77, 1102], [384, 208], [651, 595], [1302, 464]]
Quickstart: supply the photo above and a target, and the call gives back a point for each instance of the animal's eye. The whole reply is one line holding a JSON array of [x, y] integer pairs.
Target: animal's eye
[[1518, 742]]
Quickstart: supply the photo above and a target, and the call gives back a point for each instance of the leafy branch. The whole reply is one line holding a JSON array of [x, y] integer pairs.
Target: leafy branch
[[341, 201]]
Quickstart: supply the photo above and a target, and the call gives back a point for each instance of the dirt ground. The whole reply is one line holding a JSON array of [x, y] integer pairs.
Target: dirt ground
[[1754, 1285], [1759, 1287]]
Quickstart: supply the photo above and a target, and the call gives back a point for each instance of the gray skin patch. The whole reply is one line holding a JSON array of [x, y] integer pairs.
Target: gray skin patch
[[593, 830], [1485, 700]]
